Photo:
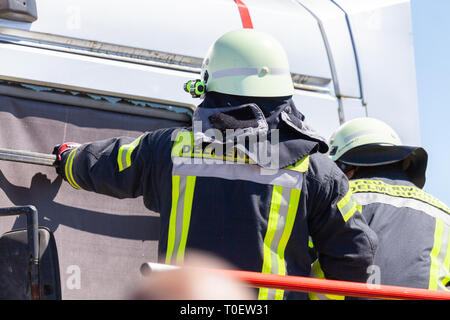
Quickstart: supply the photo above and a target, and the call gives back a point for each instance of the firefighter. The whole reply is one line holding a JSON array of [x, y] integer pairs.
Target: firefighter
[[387, 178], [248, 182]]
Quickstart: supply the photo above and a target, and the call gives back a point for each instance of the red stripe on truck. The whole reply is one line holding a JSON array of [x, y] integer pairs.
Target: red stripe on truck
[[245, 14]]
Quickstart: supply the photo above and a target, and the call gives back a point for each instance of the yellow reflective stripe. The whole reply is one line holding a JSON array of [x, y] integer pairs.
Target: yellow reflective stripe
[[310, 243], [317, 272], [446, 265], [435, 263], [282, 213], [445, 283], [130, 151], [187, 209], [124, 154], [180, 216], [350, 213], [313, 296], [377, 186], [173, 217], [289, 224], [68, 170], [271, 227], [347, 206], [119, 159], [300, 166], [182, 147], [440, 257], [359, 208]]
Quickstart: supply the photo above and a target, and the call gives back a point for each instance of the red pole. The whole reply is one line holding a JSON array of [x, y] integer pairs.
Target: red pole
[[307, 284], [336, 287]]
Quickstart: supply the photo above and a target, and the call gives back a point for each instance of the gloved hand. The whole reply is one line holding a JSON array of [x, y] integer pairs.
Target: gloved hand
[[58, 150]]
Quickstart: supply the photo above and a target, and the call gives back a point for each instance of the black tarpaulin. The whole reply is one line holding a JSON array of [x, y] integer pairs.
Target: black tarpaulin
[[101, 241]]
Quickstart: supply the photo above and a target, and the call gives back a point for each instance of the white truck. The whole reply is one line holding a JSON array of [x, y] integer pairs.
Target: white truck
[[87, 70]]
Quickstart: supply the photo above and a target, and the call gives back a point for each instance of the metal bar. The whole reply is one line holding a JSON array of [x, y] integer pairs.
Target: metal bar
[[307, 284], [28, 157], [58, 98], [33, 244], [92, 47], [133, 55]]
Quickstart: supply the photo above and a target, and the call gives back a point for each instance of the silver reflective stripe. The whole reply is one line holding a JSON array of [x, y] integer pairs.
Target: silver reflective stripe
[[347, 207], [282, 214], [365, 198], [246, 72], [180, 215], [243, 171], [357, 134]]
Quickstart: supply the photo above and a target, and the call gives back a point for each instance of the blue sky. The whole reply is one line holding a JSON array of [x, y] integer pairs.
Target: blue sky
[[431, 31]]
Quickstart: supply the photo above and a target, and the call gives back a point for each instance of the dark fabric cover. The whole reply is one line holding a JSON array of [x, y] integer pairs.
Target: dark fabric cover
[[406, 233], [101, 241]]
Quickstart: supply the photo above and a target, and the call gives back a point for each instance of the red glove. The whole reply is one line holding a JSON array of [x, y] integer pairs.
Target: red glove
[[59, 150]]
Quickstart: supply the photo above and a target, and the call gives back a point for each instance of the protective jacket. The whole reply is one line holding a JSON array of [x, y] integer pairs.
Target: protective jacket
[[256, 215], [413, 229]]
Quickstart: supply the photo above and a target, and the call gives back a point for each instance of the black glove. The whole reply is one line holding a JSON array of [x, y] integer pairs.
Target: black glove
[[58, 150]]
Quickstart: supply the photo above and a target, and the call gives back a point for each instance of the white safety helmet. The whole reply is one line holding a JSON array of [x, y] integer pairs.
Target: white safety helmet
[[371, 142], [245, 62]]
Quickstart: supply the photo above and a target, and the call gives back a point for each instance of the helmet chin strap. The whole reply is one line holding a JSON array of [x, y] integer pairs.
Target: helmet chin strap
[[406, 163], [344, 167], [353, 171], [347, 169]]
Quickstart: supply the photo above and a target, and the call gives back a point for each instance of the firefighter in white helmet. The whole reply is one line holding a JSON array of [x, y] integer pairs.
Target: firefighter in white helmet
[[387, 178], [216, 194]]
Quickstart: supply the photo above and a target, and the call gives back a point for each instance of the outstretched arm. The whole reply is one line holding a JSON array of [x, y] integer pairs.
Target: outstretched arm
[[114, 167]]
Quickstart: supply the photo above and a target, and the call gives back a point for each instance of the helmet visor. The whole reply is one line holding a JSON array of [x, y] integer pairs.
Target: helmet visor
[[377, 155]]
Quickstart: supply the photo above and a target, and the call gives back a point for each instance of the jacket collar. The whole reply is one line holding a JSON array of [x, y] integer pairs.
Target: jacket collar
[[392, 174], [265, 120]]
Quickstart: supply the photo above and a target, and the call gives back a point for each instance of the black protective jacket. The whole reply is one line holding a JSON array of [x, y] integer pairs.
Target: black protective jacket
[[257, 219], [413, 229]]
